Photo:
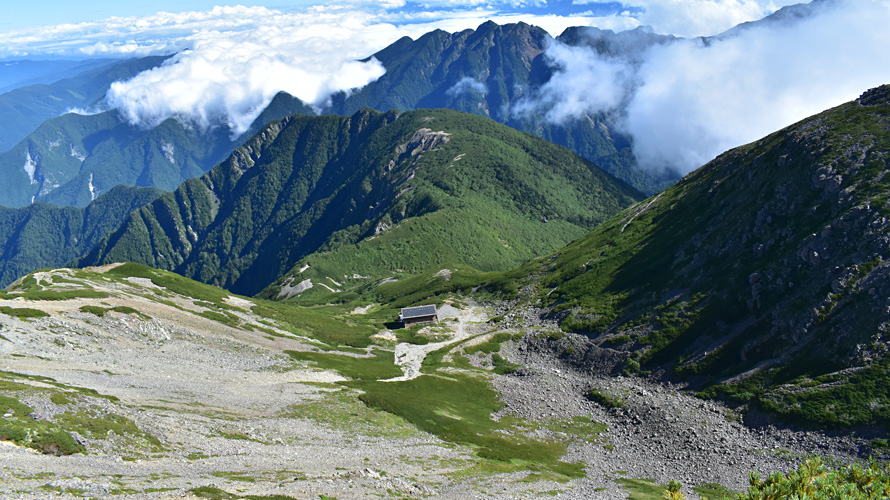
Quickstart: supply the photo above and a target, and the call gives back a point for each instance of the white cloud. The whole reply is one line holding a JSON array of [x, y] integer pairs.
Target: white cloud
[[465, 85], [686, 102], [695, 102], [582, 82], [691, 18], [229, 75]]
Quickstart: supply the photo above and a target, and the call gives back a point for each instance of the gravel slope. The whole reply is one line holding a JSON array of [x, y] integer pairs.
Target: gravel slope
[[233, 411]]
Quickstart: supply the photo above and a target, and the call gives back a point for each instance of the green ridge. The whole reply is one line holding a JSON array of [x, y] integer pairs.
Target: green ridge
[[42, 235], [370, 195], [766, 266]]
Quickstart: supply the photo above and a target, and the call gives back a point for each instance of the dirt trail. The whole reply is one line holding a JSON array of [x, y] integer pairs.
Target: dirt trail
[[228, 406], [410, 356], [232, 410]]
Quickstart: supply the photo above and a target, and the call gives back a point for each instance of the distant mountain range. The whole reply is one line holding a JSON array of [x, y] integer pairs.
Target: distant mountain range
[[24, 72], [24, 108], [372, 195], [71, 159], [493, 71]]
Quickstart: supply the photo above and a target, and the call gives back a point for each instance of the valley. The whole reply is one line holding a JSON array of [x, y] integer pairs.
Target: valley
[[172, 394], [210, 231]]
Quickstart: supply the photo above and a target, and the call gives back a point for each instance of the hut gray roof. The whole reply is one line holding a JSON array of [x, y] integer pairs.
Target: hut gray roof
[[419, 311]]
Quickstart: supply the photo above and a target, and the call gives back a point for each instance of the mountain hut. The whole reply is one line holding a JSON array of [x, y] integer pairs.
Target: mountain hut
[[419, 315]]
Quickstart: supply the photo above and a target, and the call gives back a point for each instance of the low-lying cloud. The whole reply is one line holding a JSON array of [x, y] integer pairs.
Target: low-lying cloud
[[583, 82], [685, 102], [227, 79], [231, 61], [466, 85]]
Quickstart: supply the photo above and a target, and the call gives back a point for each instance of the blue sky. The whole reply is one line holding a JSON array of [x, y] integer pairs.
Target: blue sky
[[25, 14], [95, 28], [17, 14], [720, 14]]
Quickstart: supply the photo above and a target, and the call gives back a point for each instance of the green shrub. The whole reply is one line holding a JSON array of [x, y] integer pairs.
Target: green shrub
[[56, 442], [492, 345], [61, 295], [101, 311], [9, 432], [411, 336], [879, 444], [60, 398], [214, 493], [96, 310], [604, 399], [502, 366], [814, 481], [23, 312]]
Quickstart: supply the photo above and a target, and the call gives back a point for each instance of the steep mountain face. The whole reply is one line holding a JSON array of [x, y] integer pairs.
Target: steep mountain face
[[22, 110], [767, 266], [72, 159], [478, 71], [42, 235], [489, 71], [413, 190]]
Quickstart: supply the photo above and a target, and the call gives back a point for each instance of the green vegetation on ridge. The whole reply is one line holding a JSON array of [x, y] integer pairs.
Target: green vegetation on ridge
[[41, 235], [746, 270], [371, 195]]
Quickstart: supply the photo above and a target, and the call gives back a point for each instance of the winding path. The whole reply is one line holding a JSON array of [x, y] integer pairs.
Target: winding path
[[410, 356]]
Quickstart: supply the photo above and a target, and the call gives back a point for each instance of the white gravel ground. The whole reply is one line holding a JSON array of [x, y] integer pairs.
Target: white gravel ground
[[234, 411]]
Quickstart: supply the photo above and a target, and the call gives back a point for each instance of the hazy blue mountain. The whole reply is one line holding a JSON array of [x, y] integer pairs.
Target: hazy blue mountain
[[23, 72], [23, 109], [71, 159]]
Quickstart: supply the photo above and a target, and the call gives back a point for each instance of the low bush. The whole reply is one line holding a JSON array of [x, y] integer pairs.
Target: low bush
[[604, 399], [813, 480], [23, 312]]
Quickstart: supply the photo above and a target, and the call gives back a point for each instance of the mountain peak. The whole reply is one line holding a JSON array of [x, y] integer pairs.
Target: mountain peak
[[878, 96]]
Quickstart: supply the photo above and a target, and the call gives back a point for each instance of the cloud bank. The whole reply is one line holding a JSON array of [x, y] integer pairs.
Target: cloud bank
[[229, 78], [685, 102], [231, 61]]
